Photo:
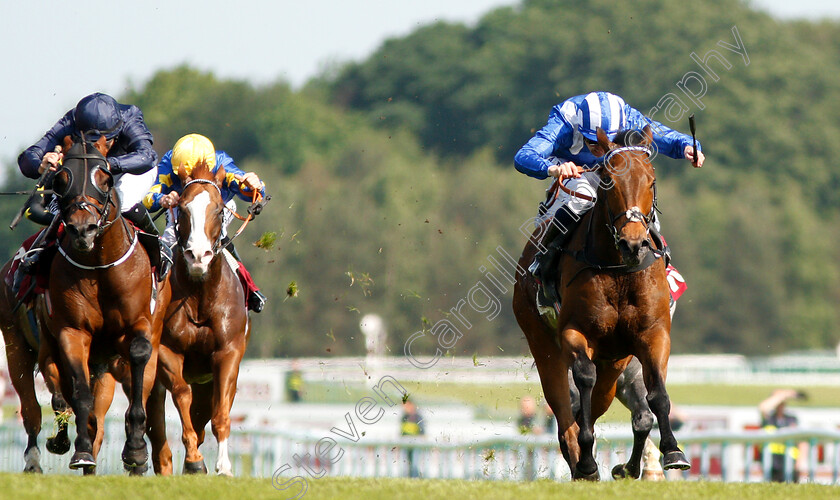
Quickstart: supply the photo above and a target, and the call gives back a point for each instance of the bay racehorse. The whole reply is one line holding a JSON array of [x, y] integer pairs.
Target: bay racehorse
[[615, 304], [21, 327], [206, 330], [103, 300]]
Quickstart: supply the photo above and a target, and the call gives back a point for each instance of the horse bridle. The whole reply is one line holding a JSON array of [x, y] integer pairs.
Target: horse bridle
[[104, 197], [632, 214], [217, 245]]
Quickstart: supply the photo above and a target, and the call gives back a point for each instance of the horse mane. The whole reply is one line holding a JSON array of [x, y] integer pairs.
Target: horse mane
[[629, 137], [201, 170]]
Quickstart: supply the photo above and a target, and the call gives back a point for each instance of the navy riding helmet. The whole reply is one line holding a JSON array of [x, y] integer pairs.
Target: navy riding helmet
[[98, 114]]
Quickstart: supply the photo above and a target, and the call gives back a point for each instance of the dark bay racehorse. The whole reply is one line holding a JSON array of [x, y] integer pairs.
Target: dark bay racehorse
[[206, 330], [23, 350], [614, 305], [104, 300]]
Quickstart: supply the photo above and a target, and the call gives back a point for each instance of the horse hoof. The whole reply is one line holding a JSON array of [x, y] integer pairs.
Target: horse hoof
[[195, 467], [136, 470], [134, 457], [586, 476], [58, 444], [89, 470], [621, 471], [33, 469], [82, 459], [675, 460]]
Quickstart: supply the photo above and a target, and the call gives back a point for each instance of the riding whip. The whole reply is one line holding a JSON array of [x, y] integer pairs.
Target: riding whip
[[693, 139]]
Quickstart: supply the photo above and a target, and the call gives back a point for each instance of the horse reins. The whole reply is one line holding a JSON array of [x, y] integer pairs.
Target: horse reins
[[102, 224]]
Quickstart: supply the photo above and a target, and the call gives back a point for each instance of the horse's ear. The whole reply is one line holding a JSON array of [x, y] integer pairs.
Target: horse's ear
[[101, 145], [603, 140], [647, 136], [67, 143], [603, 145]]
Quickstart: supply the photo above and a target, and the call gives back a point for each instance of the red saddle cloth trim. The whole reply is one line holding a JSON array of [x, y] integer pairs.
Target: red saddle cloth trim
[[248, 285], [676, 283], [42, 271]]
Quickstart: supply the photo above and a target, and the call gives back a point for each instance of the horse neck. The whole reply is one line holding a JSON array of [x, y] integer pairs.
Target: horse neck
[[602, 244]]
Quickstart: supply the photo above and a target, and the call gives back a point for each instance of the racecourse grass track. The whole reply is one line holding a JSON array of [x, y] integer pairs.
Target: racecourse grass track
[[30, 487]]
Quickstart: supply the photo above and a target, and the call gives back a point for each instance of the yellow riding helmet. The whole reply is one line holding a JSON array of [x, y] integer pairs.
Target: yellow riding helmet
[[190, 150]]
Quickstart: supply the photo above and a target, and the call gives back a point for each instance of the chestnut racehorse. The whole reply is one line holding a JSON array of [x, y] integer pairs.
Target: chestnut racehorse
[[206, 330], [23, 349], [614, 305], [104, 300]]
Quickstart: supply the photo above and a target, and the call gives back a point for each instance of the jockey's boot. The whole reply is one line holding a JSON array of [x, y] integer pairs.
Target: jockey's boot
[[29, 262], [256, 299], [556, 236], [26, 267], [142, 220]]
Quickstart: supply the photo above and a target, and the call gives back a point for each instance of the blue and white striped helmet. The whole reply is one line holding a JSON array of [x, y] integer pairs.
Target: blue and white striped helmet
[[601, 109]]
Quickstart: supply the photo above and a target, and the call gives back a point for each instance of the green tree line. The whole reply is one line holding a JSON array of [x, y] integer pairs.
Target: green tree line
[[392, 177]]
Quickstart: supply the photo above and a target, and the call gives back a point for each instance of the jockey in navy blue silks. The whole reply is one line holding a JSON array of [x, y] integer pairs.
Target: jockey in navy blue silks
[[562, 145], [131, 157], [98, 114]]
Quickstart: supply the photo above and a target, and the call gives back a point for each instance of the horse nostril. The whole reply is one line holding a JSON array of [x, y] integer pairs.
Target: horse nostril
[[91, 228], [208, 255]]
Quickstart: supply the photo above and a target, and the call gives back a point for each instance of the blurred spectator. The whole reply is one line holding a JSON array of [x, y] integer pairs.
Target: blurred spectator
[[550, 420], [412, 425], [774, 417], [527, 422], [676, 417], [294, 383]]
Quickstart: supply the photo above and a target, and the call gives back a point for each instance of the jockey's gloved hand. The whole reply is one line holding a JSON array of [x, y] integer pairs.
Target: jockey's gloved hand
[[114, 166]]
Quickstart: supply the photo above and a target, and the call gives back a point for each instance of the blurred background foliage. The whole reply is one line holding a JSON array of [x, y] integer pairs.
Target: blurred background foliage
[[392, 177]]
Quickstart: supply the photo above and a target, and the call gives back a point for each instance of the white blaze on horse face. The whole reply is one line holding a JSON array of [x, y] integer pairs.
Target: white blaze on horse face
[[223, 466], [198, 250]]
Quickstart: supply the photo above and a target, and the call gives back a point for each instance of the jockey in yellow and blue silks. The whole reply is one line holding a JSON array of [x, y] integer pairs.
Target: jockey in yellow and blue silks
[[185, 154], [563, 144]]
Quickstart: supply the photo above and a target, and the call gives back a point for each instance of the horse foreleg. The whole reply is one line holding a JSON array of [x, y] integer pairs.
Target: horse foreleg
[[156, 411], [630, 390], [578, 354], [225, 371], [553, 377], [142, 359], [21, 370], [102, 387], [654, 361], [74, 346], [58, 444], [171, 374]]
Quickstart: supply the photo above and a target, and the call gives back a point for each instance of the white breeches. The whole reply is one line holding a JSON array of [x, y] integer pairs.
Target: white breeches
[[586, 184], [132, 188]]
